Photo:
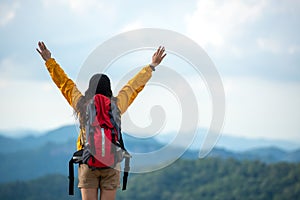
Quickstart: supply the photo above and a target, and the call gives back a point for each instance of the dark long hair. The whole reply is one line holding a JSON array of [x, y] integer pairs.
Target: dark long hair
[[99, 84]]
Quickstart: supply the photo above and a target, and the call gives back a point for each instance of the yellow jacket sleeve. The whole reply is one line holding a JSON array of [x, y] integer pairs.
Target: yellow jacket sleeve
[[63, 82], [130, 91]]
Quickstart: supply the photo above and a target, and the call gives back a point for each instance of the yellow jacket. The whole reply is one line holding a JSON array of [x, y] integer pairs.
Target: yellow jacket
[[70, 91]]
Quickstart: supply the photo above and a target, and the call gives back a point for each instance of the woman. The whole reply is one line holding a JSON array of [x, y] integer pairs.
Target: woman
[[108, 180]]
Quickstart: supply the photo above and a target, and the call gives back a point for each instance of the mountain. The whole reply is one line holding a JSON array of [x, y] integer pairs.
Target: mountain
[[214, 178], [211, 178], [33, 163], [266, 155], [234, 143], [32, 157], [66, 133], [53, 158], [241, 144], [58, 136], [293, 156], [35, 156], [271, 154], [49, 187]]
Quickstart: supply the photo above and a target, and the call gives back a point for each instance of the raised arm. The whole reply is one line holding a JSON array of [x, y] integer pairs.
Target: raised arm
[[130, 91], [62, 81]]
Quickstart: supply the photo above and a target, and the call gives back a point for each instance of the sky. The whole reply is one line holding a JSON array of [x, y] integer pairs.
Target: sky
[[254, 45]]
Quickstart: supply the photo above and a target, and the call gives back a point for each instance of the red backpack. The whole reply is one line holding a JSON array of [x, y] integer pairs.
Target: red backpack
[[104, 146]]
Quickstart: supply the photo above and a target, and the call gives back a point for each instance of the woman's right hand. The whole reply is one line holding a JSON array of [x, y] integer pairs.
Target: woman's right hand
[[43, 51]]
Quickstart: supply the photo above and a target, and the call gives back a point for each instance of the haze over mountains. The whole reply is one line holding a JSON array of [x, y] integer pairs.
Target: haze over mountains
[[30, 139], [35, 156]]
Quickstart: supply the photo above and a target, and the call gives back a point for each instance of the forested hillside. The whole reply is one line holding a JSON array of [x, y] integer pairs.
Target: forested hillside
[[210, 178]]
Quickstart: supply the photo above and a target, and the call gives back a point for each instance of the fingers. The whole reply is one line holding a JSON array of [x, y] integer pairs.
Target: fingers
[[163, 56], [38, 51], [158, 56], [42, 46], [43, 51], [160, 52]]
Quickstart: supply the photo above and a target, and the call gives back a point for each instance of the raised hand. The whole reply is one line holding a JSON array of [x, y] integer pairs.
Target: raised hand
[[158, 56], [43, 51]]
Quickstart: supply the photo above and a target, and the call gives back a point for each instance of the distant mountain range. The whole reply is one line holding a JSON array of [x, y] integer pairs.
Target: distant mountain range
[[70, 132], [57, 136], [237, 144], [34, 156]]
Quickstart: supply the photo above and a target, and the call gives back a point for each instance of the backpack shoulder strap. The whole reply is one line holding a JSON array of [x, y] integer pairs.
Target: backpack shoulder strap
[[76, 158], [90, 116]]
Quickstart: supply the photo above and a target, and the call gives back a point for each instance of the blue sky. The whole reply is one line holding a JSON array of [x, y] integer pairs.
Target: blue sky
[[255, 46]]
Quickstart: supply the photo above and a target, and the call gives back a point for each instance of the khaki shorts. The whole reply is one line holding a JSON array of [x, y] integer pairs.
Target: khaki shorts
[[108, 179]]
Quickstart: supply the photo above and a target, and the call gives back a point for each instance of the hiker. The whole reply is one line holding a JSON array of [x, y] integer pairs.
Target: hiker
[[108, 180]]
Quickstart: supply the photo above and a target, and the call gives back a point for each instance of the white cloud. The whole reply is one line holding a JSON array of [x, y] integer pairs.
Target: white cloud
[[216, 23], [268, 44], [260, 108], [3, 83], [9, 69], [276, 46], [255, 108], [293, 49], [33, 105], [7, 12], [85, 6], [6, 65], [82, 8], [132, 26], [13, 69]]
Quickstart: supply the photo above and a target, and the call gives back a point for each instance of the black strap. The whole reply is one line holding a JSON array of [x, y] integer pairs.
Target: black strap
[[121, 141], [125, 177], [71, 177], [127, 163], [126, 170]]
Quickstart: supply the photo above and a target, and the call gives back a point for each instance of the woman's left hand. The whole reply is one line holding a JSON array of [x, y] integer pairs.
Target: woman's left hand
[[158, 56], [43, 51]]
